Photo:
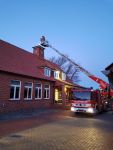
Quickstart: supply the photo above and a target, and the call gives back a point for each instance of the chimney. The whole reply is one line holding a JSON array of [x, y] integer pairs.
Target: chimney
[[38, 51]]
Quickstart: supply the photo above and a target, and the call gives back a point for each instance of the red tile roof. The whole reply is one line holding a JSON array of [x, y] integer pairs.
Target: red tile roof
[[16, 60]]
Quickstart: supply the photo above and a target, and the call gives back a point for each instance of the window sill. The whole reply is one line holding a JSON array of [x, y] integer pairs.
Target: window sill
[[27, 99], [38, 98], [14, 99], [47, 76]]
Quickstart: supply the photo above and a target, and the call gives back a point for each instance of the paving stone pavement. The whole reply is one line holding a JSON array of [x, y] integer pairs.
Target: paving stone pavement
[[26, 114], [69, 133]]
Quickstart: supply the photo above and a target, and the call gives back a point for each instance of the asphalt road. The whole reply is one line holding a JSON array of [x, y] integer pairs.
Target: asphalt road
[[61, 131]]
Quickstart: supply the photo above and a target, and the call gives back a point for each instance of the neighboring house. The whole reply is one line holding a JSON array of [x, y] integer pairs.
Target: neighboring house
[[109, 73], [29, 81]]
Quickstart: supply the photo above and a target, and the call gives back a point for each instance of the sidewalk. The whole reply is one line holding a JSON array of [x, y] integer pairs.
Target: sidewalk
[[28, 114]]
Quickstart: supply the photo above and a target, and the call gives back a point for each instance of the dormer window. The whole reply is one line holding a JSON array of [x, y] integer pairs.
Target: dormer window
[[47, 72], [56, 74], [63, 76]]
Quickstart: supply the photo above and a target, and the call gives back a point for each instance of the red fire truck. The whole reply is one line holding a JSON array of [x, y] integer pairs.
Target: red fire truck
[[87, 101]]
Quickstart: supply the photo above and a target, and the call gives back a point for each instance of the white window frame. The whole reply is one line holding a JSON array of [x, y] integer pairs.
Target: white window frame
[[38, 88], [56, 74], [47, 72], [63, 76], [15, 86], [46, 91], [28, 87]]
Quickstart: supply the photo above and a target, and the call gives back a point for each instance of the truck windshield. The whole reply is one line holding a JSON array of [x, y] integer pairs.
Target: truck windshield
[[79, 95]]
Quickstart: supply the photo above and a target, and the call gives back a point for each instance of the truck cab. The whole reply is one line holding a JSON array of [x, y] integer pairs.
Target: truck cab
[[87, 101]]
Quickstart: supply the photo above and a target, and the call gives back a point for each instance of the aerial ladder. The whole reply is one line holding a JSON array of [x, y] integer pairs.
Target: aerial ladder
[[105, 89], [103, 85]]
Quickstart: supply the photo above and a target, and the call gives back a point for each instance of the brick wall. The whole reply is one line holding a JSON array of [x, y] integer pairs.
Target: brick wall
[[7, 105]]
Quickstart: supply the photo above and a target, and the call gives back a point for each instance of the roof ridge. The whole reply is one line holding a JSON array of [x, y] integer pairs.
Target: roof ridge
[[22, 49]]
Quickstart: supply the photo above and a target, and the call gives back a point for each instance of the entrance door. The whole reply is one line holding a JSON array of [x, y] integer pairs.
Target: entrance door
[[58, 96]]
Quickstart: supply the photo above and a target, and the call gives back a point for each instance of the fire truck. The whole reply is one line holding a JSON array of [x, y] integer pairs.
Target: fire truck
[[86, 100]]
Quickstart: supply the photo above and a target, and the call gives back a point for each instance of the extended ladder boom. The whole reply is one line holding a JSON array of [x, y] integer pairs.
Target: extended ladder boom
[[103, 84]]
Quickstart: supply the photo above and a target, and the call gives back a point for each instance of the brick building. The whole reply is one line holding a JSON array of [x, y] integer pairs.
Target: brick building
[[109, 74], [29, 81]]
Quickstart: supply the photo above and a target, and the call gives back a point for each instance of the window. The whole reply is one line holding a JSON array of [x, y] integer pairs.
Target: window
[[63, 76], [28, 91], [38, 91], [46, 91], [15, 90], [56, 74], [47, 72]]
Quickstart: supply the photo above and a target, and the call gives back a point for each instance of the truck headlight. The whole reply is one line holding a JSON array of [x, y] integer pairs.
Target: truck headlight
[[72, 109], [90, 110]]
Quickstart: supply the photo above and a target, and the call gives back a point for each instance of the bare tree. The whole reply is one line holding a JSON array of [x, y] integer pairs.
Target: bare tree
[[60, 61], [71, 71]]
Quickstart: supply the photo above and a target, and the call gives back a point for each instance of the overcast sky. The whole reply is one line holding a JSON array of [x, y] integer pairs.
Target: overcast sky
[[82, 29]]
